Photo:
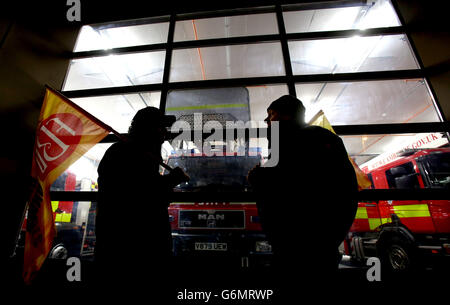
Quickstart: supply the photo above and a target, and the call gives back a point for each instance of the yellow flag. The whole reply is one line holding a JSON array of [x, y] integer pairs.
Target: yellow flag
[[64, 133], [321, 120]]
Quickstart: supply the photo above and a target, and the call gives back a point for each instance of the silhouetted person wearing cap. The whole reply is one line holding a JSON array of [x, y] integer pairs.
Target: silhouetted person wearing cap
[[306, 202], [132, 227]]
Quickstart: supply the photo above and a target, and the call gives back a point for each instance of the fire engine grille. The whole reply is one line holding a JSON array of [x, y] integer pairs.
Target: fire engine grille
[[222, 118], [211, 219]]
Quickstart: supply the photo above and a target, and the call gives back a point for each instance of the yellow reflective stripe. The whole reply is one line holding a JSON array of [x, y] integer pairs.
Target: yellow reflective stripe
[[65, 217], [215, 106], [385, 220], [374, 223], [58, 217], [412, 210], [361, 213], [54, 205], [402, 211], [408, 214], [412, 207]]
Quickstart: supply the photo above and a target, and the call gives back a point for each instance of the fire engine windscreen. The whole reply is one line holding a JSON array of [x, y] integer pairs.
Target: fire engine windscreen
[[216, 173], [437, 165]]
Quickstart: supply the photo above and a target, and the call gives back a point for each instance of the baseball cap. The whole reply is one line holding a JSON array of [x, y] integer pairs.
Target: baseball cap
[[287, 104], [153, 116]]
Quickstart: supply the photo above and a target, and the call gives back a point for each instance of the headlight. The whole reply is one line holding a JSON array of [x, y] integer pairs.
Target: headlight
[[263, 246]]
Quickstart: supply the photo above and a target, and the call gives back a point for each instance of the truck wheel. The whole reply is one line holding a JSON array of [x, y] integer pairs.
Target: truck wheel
[[58, 252], [397, 256]]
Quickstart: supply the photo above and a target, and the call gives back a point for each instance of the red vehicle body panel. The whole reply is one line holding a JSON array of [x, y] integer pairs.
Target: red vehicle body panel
[[248, 207], [419, 216]]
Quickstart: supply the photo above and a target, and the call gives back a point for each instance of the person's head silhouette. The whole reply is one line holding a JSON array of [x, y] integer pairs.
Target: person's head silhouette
[[286, 108], [149, 125]]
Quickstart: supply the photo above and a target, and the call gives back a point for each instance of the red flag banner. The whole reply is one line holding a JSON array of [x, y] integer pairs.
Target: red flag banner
[[321, 120], [65, 132]]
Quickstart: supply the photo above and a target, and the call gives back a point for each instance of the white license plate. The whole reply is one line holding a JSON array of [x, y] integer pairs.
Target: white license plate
[[211, 246]]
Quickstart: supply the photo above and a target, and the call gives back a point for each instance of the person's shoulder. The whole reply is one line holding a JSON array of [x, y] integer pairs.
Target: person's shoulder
[[118, 146], [113, 156], [319, 131], [322, 134], [117, 149]]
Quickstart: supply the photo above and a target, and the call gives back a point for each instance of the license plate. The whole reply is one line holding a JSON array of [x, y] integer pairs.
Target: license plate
[[210, 246], [263, 246]]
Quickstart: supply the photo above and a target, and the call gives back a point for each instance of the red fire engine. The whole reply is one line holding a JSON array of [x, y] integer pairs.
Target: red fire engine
[[216, 228], [70, 225], [402, 233]]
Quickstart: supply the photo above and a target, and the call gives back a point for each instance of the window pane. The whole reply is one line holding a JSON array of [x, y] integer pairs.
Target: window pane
[[372, 102], [227, 62], [246, 104], [395, 161], [261, 97], [225, 27], [82, 174], [221, 104], [402, 176], [373, 151], [117, 111], [353, 54], [115, 70], [101, 37], [75, 229], [241, 103], [380, 14]]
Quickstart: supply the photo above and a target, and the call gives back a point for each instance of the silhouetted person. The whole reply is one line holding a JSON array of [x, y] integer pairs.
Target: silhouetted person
[[306, 202], [133, 244]]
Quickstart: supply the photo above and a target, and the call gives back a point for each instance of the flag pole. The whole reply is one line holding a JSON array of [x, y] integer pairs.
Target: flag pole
[[16, 240], [105, 126]]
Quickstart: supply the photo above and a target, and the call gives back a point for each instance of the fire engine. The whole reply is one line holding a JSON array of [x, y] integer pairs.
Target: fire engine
[[404, 234], [220, 229], [74, 221]]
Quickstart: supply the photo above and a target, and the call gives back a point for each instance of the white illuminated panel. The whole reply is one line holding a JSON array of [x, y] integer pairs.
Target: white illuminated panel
[[118, 110], [226, 27], [104, 38], [115, 70], [353, 54], [373, 15]]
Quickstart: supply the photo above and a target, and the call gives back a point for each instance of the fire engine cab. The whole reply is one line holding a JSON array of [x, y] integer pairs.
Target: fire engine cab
[[401, 233], [220, 229]]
